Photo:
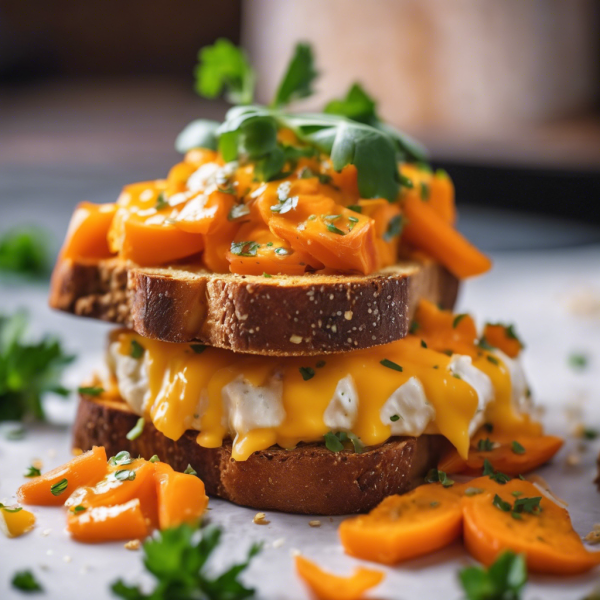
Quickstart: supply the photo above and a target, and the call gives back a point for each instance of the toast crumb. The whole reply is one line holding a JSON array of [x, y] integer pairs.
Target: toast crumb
[[296, 339], [593, 537], [76, 451], [315, 523], [348, 315], [260, 519], [278, 542], [132, 545]]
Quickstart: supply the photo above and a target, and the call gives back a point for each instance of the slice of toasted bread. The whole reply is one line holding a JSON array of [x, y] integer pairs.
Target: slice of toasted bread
[[279, 315], [308, 479]]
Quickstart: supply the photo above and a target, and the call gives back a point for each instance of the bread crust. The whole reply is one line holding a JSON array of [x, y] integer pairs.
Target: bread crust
[[279, 316], [308, 479]]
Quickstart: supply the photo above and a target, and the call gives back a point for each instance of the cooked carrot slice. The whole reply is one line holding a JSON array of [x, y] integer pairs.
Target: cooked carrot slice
[[205, 214], [501, 338], [85, 469], [405, 527], [427, 230], [181, 497], [88, 230], [150, 243], [178, 176], [327, 586], [122, 484], [108, 523], [512, 457], [546, 537]]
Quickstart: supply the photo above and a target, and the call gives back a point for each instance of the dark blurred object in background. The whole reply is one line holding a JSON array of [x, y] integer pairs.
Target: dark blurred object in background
[[505, 95]]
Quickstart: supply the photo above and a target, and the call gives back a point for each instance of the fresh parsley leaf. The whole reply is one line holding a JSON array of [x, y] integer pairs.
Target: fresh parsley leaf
[[357, 105], [496, 476], [358, 445], [485, 445], [334, 441], [90, 391], [124, 475], [178, 560], [578, 361], [25, 251], [137, 350], [136, 431], [390, 365], [333, 229], [473, 491], [59, 487], [517, 448], [307, 373], [528, 505], [436, 476], [423, 344], [201, 133], [154, 459], [457, 319], [32, 471], [224, 67], [26, 582], [189, 470], [492, 359], [504, 580], [394, 228], [501, 504], [299, 77], [161, 201], [28, 370], [394, 418], [244, 248], [121, 458]]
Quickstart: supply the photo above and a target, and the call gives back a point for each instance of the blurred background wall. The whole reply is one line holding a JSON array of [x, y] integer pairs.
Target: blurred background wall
[[504, 94]]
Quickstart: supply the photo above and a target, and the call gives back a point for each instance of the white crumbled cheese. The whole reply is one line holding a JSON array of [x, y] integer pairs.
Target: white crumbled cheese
[[205, 176], [132, 378], [462, 365], [521, 398], [342, 409], [410, 404], [246, 407], [194, 210]]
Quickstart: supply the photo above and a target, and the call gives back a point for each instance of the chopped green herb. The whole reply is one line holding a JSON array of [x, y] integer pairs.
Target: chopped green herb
[[32, 472], [425, 192], [503, 580], [434, 504], [590, 434], [177, 558], [516, 493], [124, 475], [333, 229], [122, 458], [9, 509], [390, 365], [198, 348], [189, 470], [436, 476], [332, 442], [413, 327], [473, 491], [484, 344], [406, 182], [320, 364], [137, 350], [578, 361], [492, 359], [448, 352], [496, 476], [352, 223], [299, 77], [528, 505], [161, 201], [59, 487], [458, 319], [456, 376], [26, 582], [136, 431], [78, 509], [358, 445], [90, 391], [394, 228], [395, 418], [355, 207], [244, 248], [307, 373], [517, 448], [267, 275], [423, 344], [282, 251], [485, 445], [154, 459], [501, 504], [25, 251]]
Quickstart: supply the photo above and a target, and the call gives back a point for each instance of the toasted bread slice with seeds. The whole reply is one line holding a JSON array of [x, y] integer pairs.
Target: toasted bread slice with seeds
[[279, 316]]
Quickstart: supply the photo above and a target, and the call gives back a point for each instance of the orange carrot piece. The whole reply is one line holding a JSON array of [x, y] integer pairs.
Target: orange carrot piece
[[427, 231], [499, 337], [85, 469], [155, 244], [88, 230], [206, 215], [327, 586], [405, 527], [537, 451], [181, 497], [546, 538], [108, 523]]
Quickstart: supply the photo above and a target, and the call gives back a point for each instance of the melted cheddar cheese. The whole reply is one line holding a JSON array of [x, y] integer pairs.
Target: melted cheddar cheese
[[262, 401]]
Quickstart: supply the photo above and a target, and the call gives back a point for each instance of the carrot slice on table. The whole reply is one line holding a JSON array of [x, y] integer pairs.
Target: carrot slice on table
[[427, 231], [108, 523], [405, 527], [181, 497], [501, 337], [87, 236], [327, 586], [85, 469], [512, 457], [545, 536]]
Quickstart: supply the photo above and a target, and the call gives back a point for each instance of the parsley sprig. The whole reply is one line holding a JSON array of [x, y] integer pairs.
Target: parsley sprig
[[178, 558], [25, 251], [28, 370]]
